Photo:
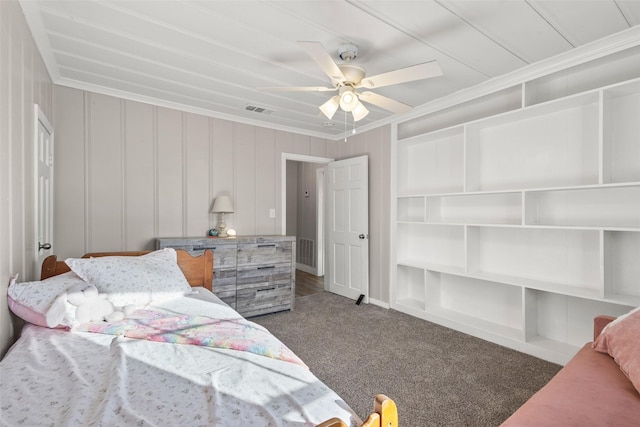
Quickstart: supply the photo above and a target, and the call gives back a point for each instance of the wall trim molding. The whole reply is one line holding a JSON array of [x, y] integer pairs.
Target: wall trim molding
[[306, 269], [34, 22], [580, 55], [379, 303], [597, 49], [102, 90]]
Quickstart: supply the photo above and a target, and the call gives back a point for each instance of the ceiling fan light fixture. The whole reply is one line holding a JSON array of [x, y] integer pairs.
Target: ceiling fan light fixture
[[348, 99], [330, 107], [348, 77], [359, 112]]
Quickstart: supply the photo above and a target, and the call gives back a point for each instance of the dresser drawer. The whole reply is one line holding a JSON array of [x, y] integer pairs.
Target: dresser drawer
[[224, 285], [261, 298], [264, 253], [224, 256], [249, 276]]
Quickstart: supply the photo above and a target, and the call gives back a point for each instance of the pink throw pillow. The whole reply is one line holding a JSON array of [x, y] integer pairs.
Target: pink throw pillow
[[25, 313], [34, 301], [621, 340]]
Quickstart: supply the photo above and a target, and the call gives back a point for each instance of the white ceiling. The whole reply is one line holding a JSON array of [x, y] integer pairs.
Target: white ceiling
[[212, 56]]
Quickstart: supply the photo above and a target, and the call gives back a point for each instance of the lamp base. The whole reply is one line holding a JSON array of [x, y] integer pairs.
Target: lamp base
[[222, 228]]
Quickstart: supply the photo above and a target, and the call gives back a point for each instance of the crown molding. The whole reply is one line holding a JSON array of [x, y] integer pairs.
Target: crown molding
[[36, 27], [186, 108], [580, 55]]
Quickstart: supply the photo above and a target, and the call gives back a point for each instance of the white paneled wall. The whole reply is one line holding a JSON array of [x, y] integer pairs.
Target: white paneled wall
[[153, 172], [129, 172], [23, 82]]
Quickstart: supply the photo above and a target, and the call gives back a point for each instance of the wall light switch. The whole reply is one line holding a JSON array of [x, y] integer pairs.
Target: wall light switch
[[272, 213]]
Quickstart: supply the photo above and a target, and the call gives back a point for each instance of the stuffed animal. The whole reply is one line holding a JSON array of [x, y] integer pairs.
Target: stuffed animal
[[92, 306], [83, 303]]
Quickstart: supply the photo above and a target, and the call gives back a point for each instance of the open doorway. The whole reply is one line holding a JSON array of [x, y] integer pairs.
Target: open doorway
[[303, 216]]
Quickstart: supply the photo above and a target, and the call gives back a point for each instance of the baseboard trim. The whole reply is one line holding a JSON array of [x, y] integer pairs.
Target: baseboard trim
[[379, 303], [306, 269]]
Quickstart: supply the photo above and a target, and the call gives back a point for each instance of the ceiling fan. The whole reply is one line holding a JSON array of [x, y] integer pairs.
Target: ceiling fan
[[346, 78]]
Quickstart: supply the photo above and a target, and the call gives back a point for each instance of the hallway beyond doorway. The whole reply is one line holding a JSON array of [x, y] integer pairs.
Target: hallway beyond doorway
[[308, 284]]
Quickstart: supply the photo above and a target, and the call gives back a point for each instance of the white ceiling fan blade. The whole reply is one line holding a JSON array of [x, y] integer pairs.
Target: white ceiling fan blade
[[298, 89], [408, 74], [384, 102], [319, 54]]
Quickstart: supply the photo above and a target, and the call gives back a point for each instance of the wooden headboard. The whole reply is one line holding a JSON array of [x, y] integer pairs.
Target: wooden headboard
[[197, 269]]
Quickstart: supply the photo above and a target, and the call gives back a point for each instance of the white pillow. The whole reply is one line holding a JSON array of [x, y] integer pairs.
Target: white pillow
[[34, 301], [137, 280]]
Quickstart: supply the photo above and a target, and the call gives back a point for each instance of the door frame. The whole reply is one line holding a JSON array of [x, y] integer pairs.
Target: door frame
[[283, 198], [320, 216], [40, 117]]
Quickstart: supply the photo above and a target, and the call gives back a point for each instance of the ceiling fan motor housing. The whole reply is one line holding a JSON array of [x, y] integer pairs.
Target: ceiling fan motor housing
[[352, 74]]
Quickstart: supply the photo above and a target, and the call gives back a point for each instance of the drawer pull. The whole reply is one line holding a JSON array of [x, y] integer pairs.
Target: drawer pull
[[270, 245], [266, 267], [199, 248], [268, 289]]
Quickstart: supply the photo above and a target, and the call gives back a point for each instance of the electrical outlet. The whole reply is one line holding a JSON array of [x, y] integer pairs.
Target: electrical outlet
[[272, 213]]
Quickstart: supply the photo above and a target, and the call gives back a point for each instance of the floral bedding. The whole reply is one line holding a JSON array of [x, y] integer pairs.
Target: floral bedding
[[234, 334], [62, 378]]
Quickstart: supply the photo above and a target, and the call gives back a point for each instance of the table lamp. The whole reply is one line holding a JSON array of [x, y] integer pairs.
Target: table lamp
[[222, 205]]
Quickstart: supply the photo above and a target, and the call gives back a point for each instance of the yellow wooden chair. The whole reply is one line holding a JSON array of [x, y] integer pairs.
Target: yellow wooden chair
[[385, 414]]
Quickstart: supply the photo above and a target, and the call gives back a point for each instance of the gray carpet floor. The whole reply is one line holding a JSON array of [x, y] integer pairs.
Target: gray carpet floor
[[436, 376]]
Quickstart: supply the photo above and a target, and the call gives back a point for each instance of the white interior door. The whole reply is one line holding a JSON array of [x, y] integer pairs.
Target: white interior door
[[348, 227], [44, 190]]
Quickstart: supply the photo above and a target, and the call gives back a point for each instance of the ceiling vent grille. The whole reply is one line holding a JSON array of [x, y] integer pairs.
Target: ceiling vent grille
[[255, 109]]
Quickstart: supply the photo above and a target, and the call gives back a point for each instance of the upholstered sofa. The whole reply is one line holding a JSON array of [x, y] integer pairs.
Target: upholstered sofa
[[591, 390]]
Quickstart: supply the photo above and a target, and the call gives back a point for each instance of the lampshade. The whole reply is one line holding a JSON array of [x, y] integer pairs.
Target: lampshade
[[222, 204], [348, 99], [330, 107], [360, 112]]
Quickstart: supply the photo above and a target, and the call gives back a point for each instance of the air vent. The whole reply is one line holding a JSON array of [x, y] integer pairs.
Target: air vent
[[256, 109]]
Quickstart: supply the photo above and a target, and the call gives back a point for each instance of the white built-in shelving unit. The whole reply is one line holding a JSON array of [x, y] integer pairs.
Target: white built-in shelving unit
[[517, 213]]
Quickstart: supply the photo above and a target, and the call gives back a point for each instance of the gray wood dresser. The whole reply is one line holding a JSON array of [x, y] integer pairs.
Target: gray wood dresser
[[253, 274]]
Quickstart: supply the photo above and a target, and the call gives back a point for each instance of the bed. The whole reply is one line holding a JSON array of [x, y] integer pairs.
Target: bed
[[169, 352]]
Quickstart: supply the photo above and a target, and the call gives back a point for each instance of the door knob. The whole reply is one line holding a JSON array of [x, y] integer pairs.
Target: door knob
[[362, 236], [45, 246]]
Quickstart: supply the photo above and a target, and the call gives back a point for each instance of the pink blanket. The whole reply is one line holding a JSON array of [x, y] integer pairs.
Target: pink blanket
[[238, 334]]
